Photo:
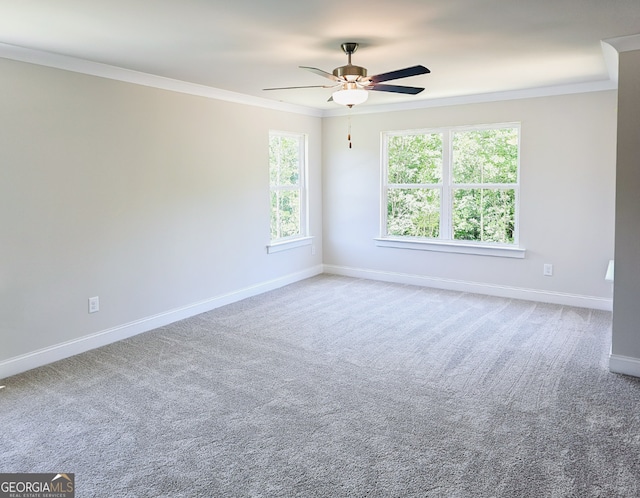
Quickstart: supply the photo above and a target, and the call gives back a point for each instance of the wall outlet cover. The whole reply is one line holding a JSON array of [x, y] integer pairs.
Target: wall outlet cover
[[94, 304]]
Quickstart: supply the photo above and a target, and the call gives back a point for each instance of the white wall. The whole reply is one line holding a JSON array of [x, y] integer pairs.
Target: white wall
[[152, 200], [567, 200]]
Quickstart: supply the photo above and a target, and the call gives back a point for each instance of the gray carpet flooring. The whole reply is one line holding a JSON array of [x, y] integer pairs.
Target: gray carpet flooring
[[339, 387]]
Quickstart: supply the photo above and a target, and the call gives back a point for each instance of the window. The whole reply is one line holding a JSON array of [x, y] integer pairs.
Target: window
[[452, 187], [287, 168]]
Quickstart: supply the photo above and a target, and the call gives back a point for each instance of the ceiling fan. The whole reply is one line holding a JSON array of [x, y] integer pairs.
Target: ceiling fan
[[352, 83]]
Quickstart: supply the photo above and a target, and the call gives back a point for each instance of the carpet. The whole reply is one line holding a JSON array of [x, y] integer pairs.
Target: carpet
[[339, 387]]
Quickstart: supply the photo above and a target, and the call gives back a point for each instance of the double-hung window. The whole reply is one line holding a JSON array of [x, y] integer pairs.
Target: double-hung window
[[288, 191], [452, 189]]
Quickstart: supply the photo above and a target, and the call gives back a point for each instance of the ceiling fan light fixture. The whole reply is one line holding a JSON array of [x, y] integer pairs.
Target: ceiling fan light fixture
[[350, 97]]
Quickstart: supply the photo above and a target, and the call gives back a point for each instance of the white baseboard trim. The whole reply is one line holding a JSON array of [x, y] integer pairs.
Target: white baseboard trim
[[624, 365], [537, 295], [44, 356]]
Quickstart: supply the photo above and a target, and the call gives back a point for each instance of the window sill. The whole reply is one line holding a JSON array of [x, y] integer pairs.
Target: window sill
[[285, 245], [454, 247]]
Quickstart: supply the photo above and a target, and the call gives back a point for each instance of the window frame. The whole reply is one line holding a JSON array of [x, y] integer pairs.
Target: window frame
[[302, 238], [445, 241]]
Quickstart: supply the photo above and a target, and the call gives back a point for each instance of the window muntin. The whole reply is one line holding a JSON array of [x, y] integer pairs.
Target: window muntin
[[454, 184], [287, 165]]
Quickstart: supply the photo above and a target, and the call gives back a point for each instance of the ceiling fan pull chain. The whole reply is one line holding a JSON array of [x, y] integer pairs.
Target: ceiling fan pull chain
[[349, 129]]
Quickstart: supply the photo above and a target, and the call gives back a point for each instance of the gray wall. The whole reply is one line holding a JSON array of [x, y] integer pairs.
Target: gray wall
[[157, 201], [626, 304], [152, 200]]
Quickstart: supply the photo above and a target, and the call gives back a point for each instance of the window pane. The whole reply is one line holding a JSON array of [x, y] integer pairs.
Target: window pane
[[413, 212], [484, 215], [284, 160], [285, 213], [485, 156], [415, 158]]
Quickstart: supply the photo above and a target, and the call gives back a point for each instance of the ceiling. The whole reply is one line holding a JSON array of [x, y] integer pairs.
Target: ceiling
[[471, 46]]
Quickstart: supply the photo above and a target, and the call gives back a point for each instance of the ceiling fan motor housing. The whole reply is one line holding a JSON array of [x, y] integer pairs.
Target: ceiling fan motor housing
[[350, 72]]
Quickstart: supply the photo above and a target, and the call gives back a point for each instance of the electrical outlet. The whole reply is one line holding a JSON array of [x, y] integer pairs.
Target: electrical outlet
[[547, 270], [313, 250], [94, 304]]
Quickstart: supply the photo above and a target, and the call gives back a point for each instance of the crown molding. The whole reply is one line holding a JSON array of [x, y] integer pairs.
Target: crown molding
[[611, 60], [611, 49], [550, 91], [83, 66], [624, 43]]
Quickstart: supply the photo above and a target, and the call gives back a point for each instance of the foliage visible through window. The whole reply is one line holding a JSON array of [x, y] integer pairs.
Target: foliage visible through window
[[454, 184], [286, 169], [414, 184]]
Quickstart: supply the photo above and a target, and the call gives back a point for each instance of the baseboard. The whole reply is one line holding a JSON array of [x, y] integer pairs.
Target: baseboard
[[34, 359], [543, 296], [624, 365]]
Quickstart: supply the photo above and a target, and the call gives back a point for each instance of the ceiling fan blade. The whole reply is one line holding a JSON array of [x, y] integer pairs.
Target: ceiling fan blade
[[321, 73], [400, 73], [412, 90], [296, 87]]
